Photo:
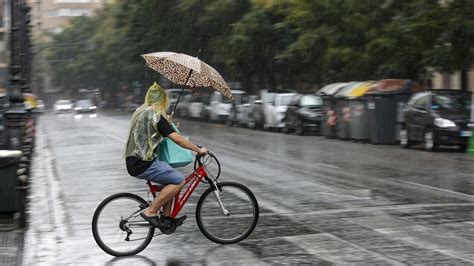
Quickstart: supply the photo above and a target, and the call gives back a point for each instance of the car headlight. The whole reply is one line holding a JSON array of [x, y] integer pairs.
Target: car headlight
[[92, 107], [78, 108], [444, 123]]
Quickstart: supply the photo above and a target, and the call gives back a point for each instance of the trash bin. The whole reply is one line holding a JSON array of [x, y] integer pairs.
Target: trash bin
[[345, 107], [343, 118], [330, 116], [329, 122], [9, 181], [385, 101], [359, 124], [385, 116]]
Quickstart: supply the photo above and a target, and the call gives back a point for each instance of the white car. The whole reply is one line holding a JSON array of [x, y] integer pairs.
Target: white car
[[63, 106], [196, 105], [274, 112], [173, 94], [40, 107], [220, 106]]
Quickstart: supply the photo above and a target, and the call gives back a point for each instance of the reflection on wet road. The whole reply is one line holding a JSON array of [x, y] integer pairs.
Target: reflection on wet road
[[321, 201]]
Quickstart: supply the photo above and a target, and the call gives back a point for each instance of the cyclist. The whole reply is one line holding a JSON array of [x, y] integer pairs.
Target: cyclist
[[147, 129]]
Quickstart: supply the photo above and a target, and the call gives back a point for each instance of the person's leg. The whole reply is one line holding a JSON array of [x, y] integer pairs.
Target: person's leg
[[166, 196], [163, 173]]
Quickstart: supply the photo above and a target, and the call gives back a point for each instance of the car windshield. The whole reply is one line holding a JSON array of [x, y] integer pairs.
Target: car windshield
[[84, 103], [452, 102], [311, 100], [283, 100], [64, 102]]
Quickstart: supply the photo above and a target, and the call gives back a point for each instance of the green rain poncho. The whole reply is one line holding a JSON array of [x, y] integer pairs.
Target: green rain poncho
[[143, 136]]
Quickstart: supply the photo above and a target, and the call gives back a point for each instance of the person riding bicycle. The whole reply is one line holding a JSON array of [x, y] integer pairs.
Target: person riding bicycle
[[148, 127]]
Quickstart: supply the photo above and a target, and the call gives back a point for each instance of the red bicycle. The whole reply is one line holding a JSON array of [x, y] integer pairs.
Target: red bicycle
[[227, 212]]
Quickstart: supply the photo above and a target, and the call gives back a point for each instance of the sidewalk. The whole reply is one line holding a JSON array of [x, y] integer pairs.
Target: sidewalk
[[11, 247], [46, 227]]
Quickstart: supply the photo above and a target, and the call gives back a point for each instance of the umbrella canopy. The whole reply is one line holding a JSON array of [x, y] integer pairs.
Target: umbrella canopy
[[187, 70]]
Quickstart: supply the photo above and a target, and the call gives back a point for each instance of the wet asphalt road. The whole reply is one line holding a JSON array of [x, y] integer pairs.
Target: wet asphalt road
[[321, 201]]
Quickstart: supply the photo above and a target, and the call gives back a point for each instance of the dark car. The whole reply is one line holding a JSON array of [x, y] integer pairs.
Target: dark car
[[304, 114], [435, 118], [84, 106]]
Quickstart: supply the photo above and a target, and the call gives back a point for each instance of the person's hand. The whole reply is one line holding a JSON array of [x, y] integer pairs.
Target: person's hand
[[202, 150]]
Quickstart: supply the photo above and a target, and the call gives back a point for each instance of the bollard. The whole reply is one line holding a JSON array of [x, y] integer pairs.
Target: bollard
[[470, 147], [22, 195]]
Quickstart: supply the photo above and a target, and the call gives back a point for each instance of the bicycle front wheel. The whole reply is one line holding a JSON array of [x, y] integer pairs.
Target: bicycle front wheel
[[228, 215], [117, 226]]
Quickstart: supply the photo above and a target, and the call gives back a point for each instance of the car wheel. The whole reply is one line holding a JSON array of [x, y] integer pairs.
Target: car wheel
[[430, 142], [299, 128], [285, 129], [404, 139]]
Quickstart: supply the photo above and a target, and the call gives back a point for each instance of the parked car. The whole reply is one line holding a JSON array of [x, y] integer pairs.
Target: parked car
[[219, 107], [438, 117], [275, 111], [63, 106], [196, 105], [40, 107], [182, 107], [239, 109], [241, 114], [84, 106], [174, 93], [254, 117], [304, 114], [258, 109]]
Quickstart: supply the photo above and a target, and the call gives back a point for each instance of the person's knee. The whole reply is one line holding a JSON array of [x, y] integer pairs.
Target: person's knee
[[178, 179]]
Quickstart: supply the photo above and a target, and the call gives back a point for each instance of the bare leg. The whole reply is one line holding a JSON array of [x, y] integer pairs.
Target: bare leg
[[167, 208], [166, 195]]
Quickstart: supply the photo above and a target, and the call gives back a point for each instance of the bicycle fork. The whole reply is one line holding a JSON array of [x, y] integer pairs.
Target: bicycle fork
[[218, 197]]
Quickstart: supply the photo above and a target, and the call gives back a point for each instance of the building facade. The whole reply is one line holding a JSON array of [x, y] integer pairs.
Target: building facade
[[452, 81], [4, 44], [52, 16]]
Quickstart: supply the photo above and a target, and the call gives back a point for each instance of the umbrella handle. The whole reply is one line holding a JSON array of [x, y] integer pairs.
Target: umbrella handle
[[182, 90]]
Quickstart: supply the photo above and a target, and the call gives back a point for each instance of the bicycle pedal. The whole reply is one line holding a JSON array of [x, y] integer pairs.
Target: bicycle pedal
[[179, 221]]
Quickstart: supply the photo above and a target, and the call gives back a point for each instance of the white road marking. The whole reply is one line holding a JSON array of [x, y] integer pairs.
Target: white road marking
[[459, 194]]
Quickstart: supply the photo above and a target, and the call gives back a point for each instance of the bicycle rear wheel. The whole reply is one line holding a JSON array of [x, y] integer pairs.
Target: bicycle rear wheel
[[242, 216], [117, 226]]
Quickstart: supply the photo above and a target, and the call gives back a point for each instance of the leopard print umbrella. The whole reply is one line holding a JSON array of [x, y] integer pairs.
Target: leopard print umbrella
[[176, 67]]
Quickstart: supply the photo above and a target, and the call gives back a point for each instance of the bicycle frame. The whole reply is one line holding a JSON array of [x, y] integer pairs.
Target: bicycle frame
[[194, 178]]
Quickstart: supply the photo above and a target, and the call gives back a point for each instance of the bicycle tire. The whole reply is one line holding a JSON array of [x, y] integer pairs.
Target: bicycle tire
[[222, 187], [96, 232]]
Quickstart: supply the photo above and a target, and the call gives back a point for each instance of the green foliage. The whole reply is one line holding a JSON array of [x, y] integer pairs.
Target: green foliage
[[270, 43]]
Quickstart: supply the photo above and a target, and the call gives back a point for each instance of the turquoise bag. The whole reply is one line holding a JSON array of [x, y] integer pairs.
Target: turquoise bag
[[173, 154]]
